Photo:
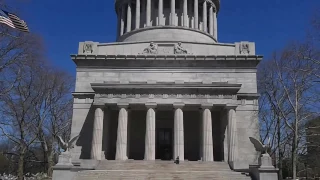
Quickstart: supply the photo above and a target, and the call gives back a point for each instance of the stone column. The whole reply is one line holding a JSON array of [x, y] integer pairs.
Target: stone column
[[211, 20], [121, 153], [207, 142], [150, 138], [204, 16], [137, 14], [123, 13], [118, 23], [129, 17], [196, 16], [96, 148], [215, 25], [173, 12], [185, 13], [232, 136], [160, 12], [148, 16], [178, 132]]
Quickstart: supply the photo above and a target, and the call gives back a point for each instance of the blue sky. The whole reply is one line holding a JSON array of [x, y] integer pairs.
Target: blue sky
[[64, 23]]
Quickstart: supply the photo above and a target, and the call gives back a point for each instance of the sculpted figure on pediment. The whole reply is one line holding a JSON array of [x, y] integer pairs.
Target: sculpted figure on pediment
[[151, 49], [178, 49]]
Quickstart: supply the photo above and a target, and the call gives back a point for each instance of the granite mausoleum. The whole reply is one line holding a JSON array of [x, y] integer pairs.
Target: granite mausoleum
[[165, 89]]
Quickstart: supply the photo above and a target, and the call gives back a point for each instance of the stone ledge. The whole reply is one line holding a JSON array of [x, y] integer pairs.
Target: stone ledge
[[187, 57]]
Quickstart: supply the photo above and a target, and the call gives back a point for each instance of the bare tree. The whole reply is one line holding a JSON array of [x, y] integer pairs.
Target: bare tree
[[271, 123], [19, 123], [55, 111], [289, 86], [15, 48]]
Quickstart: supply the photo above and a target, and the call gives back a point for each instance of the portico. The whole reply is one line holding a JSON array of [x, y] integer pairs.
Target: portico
[[158, 131], [151, 126]]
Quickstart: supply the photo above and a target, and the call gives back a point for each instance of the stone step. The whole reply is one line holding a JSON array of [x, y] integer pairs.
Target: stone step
[[142, 170], [160, 165], [146, 174]]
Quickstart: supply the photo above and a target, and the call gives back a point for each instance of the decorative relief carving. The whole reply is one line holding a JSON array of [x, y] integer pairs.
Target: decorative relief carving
[[165, 96], [110, 96], [165, 49], [244, 48], [178, 49], [234, 97], [151, 49], [243, 102], [88, 48]]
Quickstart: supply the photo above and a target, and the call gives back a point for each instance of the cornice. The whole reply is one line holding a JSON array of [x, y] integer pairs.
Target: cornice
[[166, 57], [166, 61]]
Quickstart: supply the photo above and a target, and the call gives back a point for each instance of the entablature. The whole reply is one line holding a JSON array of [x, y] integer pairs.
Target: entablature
[[133, 61], [213, 88]]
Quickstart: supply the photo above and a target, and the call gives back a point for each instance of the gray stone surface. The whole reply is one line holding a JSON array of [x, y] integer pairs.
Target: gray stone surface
[[161, 170], [264, 170]]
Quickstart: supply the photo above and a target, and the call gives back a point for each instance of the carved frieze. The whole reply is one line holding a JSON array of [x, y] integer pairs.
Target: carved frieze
[[162, 49], [166, 96]]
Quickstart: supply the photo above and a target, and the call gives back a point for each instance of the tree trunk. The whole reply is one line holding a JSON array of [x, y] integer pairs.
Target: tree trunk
[[50, 162], [294, 154], [279, 149], [21, 164], [45, 156]]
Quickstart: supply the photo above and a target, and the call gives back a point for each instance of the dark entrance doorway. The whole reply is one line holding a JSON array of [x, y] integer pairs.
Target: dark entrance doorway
[[164, 144]]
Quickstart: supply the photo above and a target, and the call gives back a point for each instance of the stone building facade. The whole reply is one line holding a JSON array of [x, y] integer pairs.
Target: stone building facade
[[166, 89]]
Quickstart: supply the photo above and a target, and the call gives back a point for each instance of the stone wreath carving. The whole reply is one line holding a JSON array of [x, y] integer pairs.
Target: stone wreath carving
[[178, 49], [151, 49], [88, 48], [244, 48]]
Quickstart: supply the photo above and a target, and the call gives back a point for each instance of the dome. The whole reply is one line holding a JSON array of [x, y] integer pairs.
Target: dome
[[167, 20]]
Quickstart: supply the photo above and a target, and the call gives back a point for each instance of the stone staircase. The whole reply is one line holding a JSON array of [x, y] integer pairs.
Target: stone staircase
[[142, 170]]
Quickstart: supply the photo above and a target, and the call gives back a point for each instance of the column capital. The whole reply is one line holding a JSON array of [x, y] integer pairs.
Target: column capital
[[230, 106], [152, 105], [99, 105], [178, 105], [207, 106], [123, 105]]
